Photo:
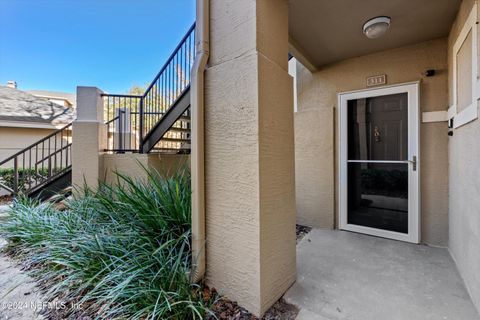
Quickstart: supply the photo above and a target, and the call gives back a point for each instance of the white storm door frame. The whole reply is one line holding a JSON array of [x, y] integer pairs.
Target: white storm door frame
[[412, 89]]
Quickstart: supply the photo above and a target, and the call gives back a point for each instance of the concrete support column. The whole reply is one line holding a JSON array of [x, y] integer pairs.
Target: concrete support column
[[89, 138], [249, 153]]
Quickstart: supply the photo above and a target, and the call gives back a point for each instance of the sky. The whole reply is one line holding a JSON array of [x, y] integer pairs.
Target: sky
[[57, 45]]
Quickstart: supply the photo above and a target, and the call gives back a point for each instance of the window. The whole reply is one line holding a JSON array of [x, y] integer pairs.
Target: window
[[465, 84]]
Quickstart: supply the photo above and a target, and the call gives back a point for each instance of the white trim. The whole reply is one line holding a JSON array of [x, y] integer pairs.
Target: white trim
[[434, 116], [292, 71], [26, 124], [52, 97], [412, 89], [88, 121], [451, 112], [388, 86], [467, 115], [470, 113]]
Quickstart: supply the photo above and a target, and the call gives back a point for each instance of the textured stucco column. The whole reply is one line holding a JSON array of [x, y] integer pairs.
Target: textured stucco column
[[89, 138], [249, 153]]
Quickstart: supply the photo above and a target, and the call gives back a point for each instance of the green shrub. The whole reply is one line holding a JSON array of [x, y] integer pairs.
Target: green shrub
[[122, 252], [26, 177]]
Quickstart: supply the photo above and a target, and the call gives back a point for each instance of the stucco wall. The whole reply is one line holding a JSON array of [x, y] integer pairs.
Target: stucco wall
[[464, 200], [314, 165], [315, 131], [133, 165], [15, 139], [249, 165]]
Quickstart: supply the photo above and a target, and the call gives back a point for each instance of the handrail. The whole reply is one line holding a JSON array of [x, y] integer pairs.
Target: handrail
[[53, 154], [121, 95], [164, 67], [34, 144], [116, 118], [130, 118], [39, 163]]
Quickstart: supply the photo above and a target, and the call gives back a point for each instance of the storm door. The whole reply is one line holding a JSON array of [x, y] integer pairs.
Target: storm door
[[379, 162]]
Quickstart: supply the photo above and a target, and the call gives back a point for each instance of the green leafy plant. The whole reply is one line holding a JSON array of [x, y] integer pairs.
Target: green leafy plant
[[119, 252], [25, 177]]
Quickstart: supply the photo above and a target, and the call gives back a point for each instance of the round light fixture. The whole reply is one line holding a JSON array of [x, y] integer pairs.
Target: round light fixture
[[376, 27]]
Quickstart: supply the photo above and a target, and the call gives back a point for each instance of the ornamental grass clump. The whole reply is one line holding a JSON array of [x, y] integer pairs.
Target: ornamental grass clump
[[121, 251]]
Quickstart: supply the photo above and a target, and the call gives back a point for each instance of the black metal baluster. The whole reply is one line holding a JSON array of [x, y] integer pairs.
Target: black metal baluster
[[29, 168], [61, 148], [15, 175]]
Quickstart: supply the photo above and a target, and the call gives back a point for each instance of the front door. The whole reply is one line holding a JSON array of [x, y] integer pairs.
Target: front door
[[379, 162]]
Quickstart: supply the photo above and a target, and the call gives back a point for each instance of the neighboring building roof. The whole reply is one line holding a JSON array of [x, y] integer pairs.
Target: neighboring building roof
[[70, 97], [20, 106]]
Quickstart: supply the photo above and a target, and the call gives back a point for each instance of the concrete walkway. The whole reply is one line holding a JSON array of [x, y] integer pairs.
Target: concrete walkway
[[19, 299], [343, 275]]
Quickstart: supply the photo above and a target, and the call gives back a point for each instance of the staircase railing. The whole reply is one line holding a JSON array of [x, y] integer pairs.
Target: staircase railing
[[122, 112], [38, 164], [130, 118]]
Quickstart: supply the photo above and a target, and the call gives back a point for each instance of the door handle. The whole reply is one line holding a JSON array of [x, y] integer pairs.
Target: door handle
[[414, 163]]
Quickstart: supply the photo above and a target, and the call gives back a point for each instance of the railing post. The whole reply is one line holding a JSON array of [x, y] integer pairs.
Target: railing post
[[121, 115], [140, 134]]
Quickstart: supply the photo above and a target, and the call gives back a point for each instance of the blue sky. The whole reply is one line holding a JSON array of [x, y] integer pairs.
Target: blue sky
[[111, 44]]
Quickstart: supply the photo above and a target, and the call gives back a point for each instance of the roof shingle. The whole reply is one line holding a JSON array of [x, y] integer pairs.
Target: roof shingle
[[17, 105]]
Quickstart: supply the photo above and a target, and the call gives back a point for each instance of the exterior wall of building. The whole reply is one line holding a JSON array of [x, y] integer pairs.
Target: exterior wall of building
[[249, 163], [133, 165], [315, 132], [314, 160], [464, 189], [13, 140]]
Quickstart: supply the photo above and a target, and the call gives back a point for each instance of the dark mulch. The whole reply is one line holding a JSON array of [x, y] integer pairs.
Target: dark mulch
[[229, 310], [281, 311], [302, 232], [6, 199]]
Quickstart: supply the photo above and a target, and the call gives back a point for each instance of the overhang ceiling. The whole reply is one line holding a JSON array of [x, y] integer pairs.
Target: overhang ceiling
[[326, 31]]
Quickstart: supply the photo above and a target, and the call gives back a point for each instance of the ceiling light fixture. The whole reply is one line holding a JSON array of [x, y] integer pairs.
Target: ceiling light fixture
[[376, 27]]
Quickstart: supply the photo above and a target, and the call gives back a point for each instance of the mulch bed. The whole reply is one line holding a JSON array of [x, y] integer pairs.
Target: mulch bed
[[6, 199], [302, 232], [229, 310]]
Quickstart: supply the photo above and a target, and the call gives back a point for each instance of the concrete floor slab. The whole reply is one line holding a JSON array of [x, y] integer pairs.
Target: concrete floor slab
[[344, 275]]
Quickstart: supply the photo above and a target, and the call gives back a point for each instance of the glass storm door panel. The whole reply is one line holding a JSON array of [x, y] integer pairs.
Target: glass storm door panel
[[378, 191], [379, 165]]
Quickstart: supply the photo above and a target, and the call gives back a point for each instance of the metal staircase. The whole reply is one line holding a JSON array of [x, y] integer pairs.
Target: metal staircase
[[41, 169], [159, 120]]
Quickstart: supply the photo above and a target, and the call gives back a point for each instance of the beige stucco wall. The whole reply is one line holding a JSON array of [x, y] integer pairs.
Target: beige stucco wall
[[249, 163], [315, 136], [314, 164], [464, 177], [87, 149], [13, 140], [134, 165]]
